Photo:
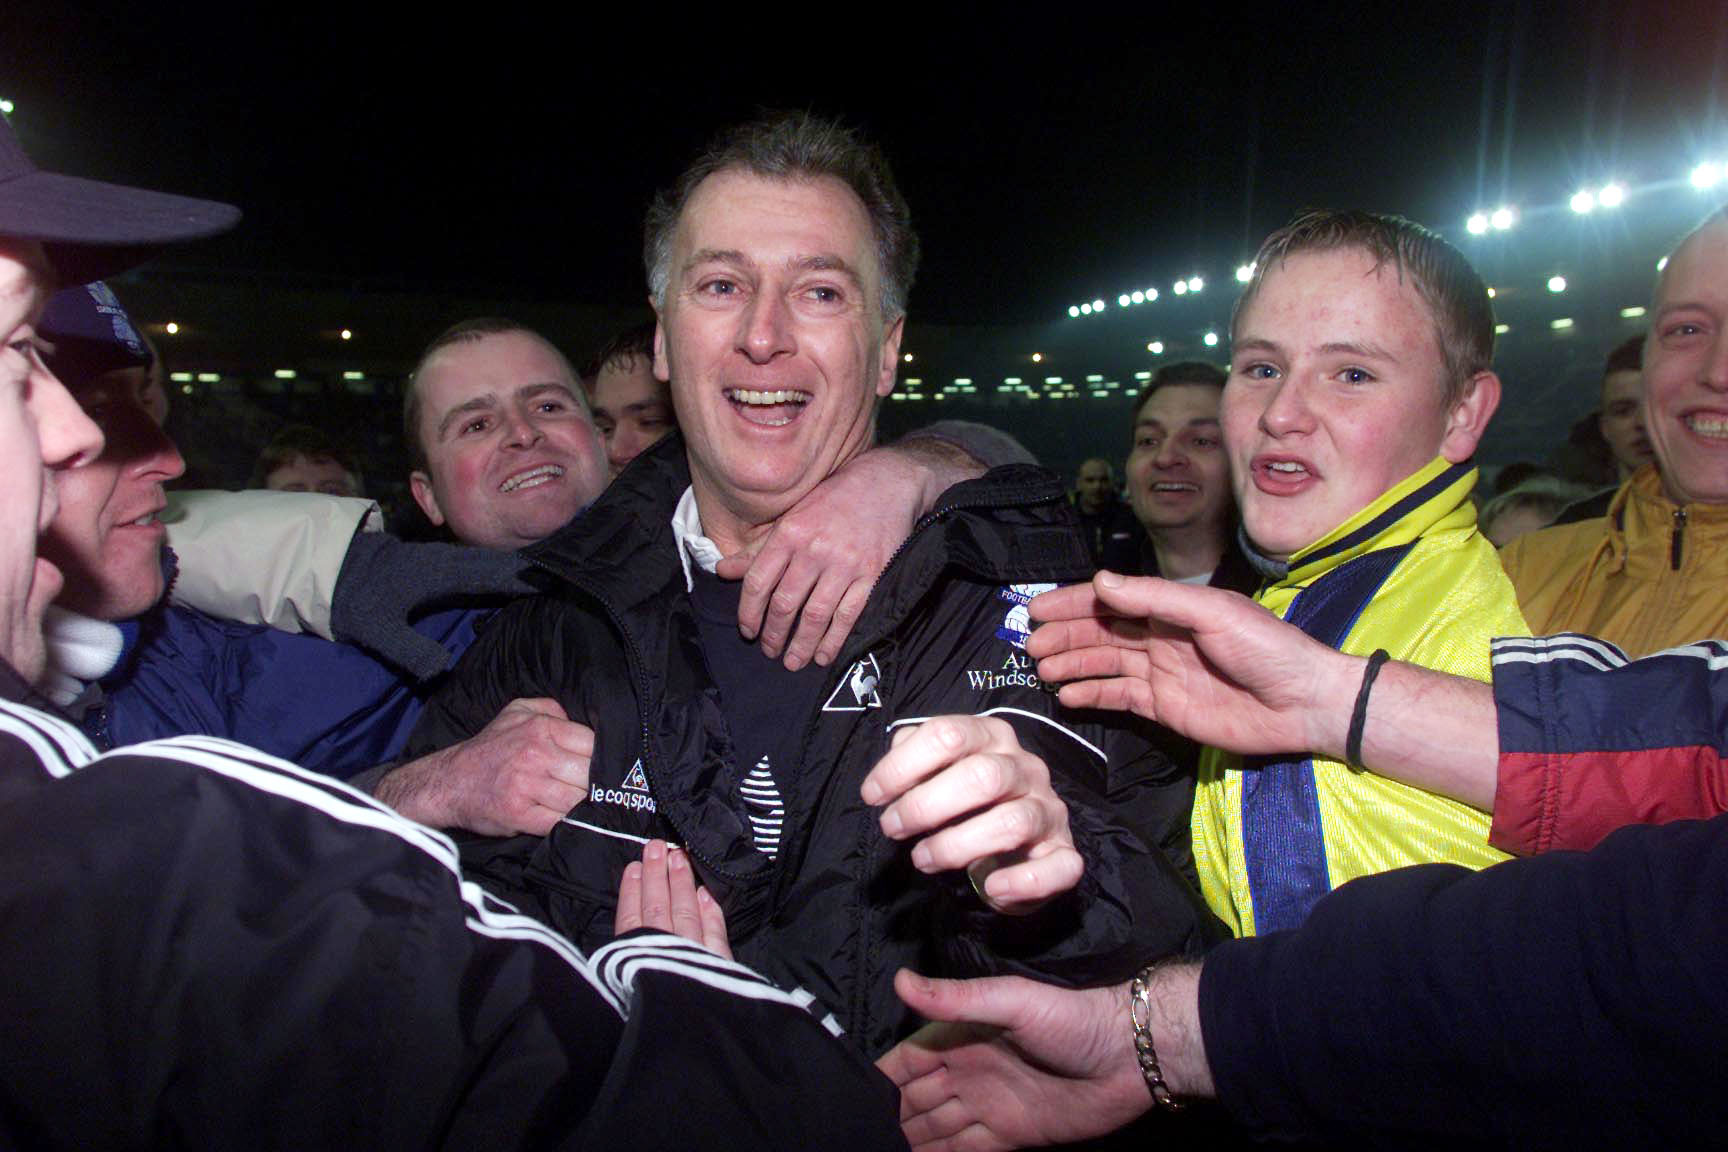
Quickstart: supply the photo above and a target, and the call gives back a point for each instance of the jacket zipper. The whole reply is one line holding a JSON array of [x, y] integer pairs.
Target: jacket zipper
[[637, 665], [1674, 549]]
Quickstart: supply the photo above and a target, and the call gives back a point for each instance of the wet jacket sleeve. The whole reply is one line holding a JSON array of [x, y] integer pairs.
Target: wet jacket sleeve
[[207, 948], [1590, 741], [1569, 1000]]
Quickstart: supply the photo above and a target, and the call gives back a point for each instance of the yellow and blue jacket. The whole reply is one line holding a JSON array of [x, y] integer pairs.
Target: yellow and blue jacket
[[1410, 574]]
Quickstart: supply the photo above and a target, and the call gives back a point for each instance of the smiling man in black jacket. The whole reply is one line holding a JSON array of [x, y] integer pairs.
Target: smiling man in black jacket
[[843, 830]]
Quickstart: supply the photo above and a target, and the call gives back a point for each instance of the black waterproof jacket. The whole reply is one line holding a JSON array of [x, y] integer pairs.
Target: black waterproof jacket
[[206, 947], [841, 906]]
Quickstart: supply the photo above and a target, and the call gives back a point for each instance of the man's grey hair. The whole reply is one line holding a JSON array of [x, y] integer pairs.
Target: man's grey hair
[[796, 146]]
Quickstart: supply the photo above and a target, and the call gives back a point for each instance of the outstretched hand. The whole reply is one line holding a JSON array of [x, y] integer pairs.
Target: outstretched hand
[[973, 798], [659, 891], [1211, 664], [1011, 1063]]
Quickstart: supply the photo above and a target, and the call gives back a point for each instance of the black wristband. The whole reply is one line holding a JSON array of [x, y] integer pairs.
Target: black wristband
[[1359, 716]]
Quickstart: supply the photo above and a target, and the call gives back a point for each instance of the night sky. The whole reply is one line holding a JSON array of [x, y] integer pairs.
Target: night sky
[[1046, 161]]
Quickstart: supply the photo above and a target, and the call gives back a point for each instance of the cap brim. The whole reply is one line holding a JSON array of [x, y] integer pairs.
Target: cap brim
[[93, 229]]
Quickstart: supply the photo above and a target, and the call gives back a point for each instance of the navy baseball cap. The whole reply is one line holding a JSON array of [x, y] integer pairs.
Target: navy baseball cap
[[90, 334], [89, 228]]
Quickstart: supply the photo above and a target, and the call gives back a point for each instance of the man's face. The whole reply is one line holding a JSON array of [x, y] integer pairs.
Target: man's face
[[1095, 485], [511, 454], [1622, 420], [1686, 371], [1336, 393], [772, 338], [1178, 475], [631, 408], [42, 433], [107, 538], [302, 474]]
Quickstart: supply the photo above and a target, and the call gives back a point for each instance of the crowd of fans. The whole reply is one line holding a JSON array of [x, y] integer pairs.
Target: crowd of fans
[[707, 782]]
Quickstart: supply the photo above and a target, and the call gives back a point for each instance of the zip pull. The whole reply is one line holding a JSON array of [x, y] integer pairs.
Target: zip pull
[[1679, 536]]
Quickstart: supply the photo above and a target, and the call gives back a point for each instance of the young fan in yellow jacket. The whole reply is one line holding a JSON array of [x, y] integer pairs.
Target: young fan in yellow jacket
[[1359, 387]]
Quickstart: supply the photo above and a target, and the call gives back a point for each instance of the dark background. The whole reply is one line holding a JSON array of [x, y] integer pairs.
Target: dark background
[[400, 169]]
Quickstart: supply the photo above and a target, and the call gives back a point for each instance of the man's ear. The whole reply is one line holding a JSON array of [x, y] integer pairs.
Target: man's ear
[[890, 367], [1469, 415], [662, 370], [420, 485]]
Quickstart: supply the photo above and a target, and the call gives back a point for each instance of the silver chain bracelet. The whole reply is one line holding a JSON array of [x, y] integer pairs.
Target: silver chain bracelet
[[1140, 1016]]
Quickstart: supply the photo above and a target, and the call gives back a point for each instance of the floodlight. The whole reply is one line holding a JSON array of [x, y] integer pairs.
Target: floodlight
[[1195, 283], [1491, 292], [1632, 313], [1085, 309], [1138, 297], [1151, 293], [1563, 323], [1037, 357], [1156, 347], [1210, 339], [907, 357], [1074, 309], [1123, 300], [1097, 305], [353, 375], [1584, 202], [285, 373], [6, 107], [1502, 329], [1611, 196], [347, 334], [1502, 219], [1244, 273], [1180, 288], [1477, 224], [1706, 175], [171, 328], [1556, 283], [209, 377]]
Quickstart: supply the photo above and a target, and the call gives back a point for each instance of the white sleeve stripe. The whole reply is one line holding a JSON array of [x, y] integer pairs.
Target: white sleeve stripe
[[619, 962], [1501, 658], [212, 755], [56, 743], [625, 973], [1066, 731], [1563, 642], [245, 752], [617, 957], [215, 757]]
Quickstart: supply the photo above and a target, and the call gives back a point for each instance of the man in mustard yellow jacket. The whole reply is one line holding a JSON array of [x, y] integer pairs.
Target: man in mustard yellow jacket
[[1360, 383], [1653, 573]]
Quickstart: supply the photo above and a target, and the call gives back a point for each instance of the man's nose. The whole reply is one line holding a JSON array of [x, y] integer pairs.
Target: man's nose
[[520, 430], [765, 329], [1287, 410], [1716, 364]]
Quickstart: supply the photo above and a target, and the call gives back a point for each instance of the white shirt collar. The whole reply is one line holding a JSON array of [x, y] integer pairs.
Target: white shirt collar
[[692, 545]]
